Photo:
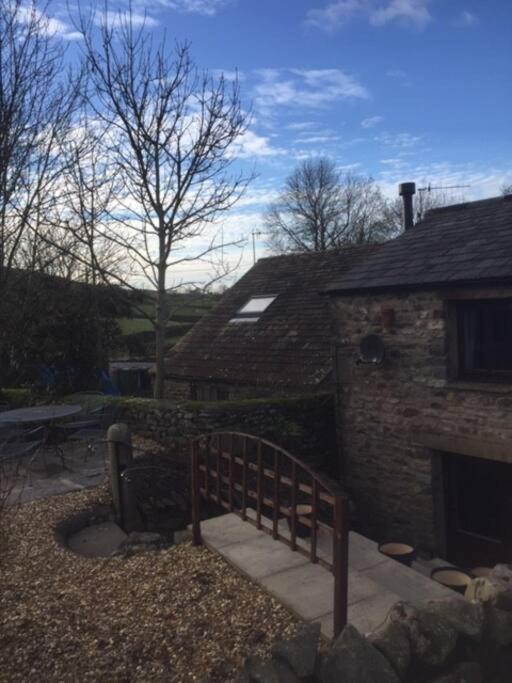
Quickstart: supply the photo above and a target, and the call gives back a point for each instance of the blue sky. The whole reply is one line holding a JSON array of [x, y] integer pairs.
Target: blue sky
[[399, 89]]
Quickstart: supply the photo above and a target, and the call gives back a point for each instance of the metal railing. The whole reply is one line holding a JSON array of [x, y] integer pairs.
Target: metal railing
[[262, 483]]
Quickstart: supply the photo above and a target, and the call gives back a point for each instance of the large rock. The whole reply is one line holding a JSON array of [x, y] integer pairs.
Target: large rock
[[499, 626], [431, 637], [140, 542], [353, 659], [494, 589], [466, 672], [300, 652], [260, 670], [392, 640], [467, 618]]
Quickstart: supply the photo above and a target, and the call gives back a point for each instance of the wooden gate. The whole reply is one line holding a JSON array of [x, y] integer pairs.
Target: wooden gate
[[242, 473]]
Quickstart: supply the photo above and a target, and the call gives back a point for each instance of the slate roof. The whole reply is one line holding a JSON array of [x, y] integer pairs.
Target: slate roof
[[462, 244], [290, 344]]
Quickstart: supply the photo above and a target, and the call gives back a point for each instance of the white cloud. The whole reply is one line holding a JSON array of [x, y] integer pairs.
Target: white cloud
[[317, 139], [116, 18], [228, 74], [207, 8], [304, 125], [371, 121], [305, 88], [466, 19], [401, 140], [250, 145], [376, 12], [46, 25], [482, 182], [410, 11]]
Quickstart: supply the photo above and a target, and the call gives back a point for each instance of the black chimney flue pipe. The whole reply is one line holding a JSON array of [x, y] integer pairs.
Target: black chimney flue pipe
[[407, 191]]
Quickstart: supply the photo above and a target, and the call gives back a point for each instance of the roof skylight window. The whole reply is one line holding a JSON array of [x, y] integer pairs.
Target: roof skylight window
[[251, 311]]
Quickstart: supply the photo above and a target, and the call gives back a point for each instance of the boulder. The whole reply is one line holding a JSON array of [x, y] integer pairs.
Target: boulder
[[466, 672], [353, 659], [431, 637], [494, 589], [467, 618], [499, 626], [261, 670], [392, 640], [139, 542], [300, 652]]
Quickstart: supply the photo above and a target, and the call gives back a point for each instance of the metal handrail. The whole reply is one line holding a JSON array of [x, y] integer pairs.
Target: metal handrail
[[211, 480]]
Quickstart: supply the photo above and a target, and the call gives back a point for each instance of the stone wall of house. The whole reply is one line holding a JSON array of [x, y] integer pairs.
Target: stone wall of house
[[389, 413], [181, 390], [304, 425]]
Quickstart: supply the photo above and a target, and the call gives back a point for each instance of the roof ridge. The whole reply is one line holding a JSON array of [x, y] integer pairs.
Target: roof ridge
[[466, 205]]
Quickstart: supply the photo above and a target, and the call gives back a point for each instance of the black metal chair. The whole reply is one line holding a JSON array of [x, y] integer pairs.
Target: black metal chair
[[92, 430], [20, 444]]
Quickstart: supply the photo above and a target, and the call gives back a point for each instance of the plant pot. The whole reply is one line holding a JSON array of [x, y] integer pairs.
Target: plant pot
[[301, 530], [480, 572], [401, 552], [452, 577]]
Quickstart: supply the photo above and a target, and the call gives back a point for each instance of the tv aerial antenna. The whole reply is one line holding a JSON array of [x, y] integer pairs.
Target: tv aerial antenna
[[429, 188], [255, 233]]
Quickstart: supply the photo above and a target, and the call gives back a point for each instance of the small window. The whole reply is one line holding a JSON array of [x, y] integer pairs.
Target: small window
[[251, 311], [484, 334]]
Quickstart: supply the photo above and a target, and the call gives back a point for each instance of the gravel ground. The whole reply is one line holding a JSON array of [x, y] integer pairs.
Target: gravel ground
[[179, 614]]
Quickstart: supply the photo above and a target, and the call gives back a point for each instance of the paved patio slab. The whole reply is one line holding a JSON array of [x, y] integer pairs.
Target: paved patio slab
[[375, 582]]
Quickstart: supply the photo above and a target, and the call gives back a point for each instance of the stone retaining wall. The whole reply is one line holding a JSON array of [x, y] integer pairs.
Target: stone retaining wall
[[304, 425], [442, 641]]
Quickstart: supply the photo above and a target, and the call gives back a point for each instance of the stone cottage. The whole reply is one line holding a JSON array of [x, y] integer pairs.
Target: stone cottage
[[269, 335], [426, 434]]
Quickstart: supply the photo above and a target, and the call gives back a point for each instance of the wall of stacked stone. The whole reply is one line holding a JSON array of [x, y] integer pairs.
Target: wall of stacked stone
[[444, 641], [181, 390], [304, 425], [384, 410]]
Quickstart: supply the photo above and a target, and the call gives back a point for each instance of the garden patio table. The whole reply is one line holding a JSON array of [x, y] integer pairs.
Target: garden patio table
[[48, 415], [41, 414]]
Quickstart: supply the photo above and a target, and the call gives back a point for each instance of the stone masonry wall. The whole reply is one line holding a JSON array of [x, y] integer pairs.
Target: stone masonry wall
[[384, 410], [180, 390], [304, 425]]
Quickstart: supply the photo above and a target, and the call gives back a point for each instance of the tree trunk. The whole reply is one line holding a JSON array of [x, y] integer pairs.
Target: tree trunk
[[161, 320]]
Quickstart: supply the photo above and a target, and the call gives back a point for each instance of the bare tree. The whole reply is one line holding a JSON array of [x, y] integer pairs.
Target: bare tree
[[37, 101], [321, 208], [38, 98], [506, 189], [170, 131]]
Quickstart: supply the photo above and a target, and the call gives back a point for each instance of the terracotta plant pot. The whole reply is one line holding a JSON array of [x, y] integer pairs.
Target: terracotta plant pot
[[302, 531], [480, 572], [401, 552], [452, 577]]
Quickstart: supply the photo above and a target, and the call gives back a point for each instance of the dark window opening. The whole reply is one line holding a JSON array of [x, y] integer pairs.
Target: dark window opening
[[484, 331]]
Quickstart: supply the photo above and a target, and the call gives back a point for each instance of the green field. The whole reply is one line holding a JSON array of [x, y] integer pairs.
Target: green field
[[186, 309]]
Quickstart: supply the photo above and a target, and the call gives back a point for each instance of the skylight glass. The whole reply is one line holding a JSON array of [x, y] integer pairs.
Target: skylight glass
[[256, 305], [251, 311]]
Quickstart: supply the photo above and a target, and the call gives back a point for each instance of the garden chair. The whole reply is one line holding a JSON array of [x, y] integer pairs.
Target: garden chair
[[92, 430], [18, 445]]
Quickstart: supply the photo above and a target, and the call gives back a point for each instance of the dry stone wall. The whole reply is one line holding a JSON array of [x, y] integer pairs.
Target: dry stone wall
[[444, 641], [304, 425]]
